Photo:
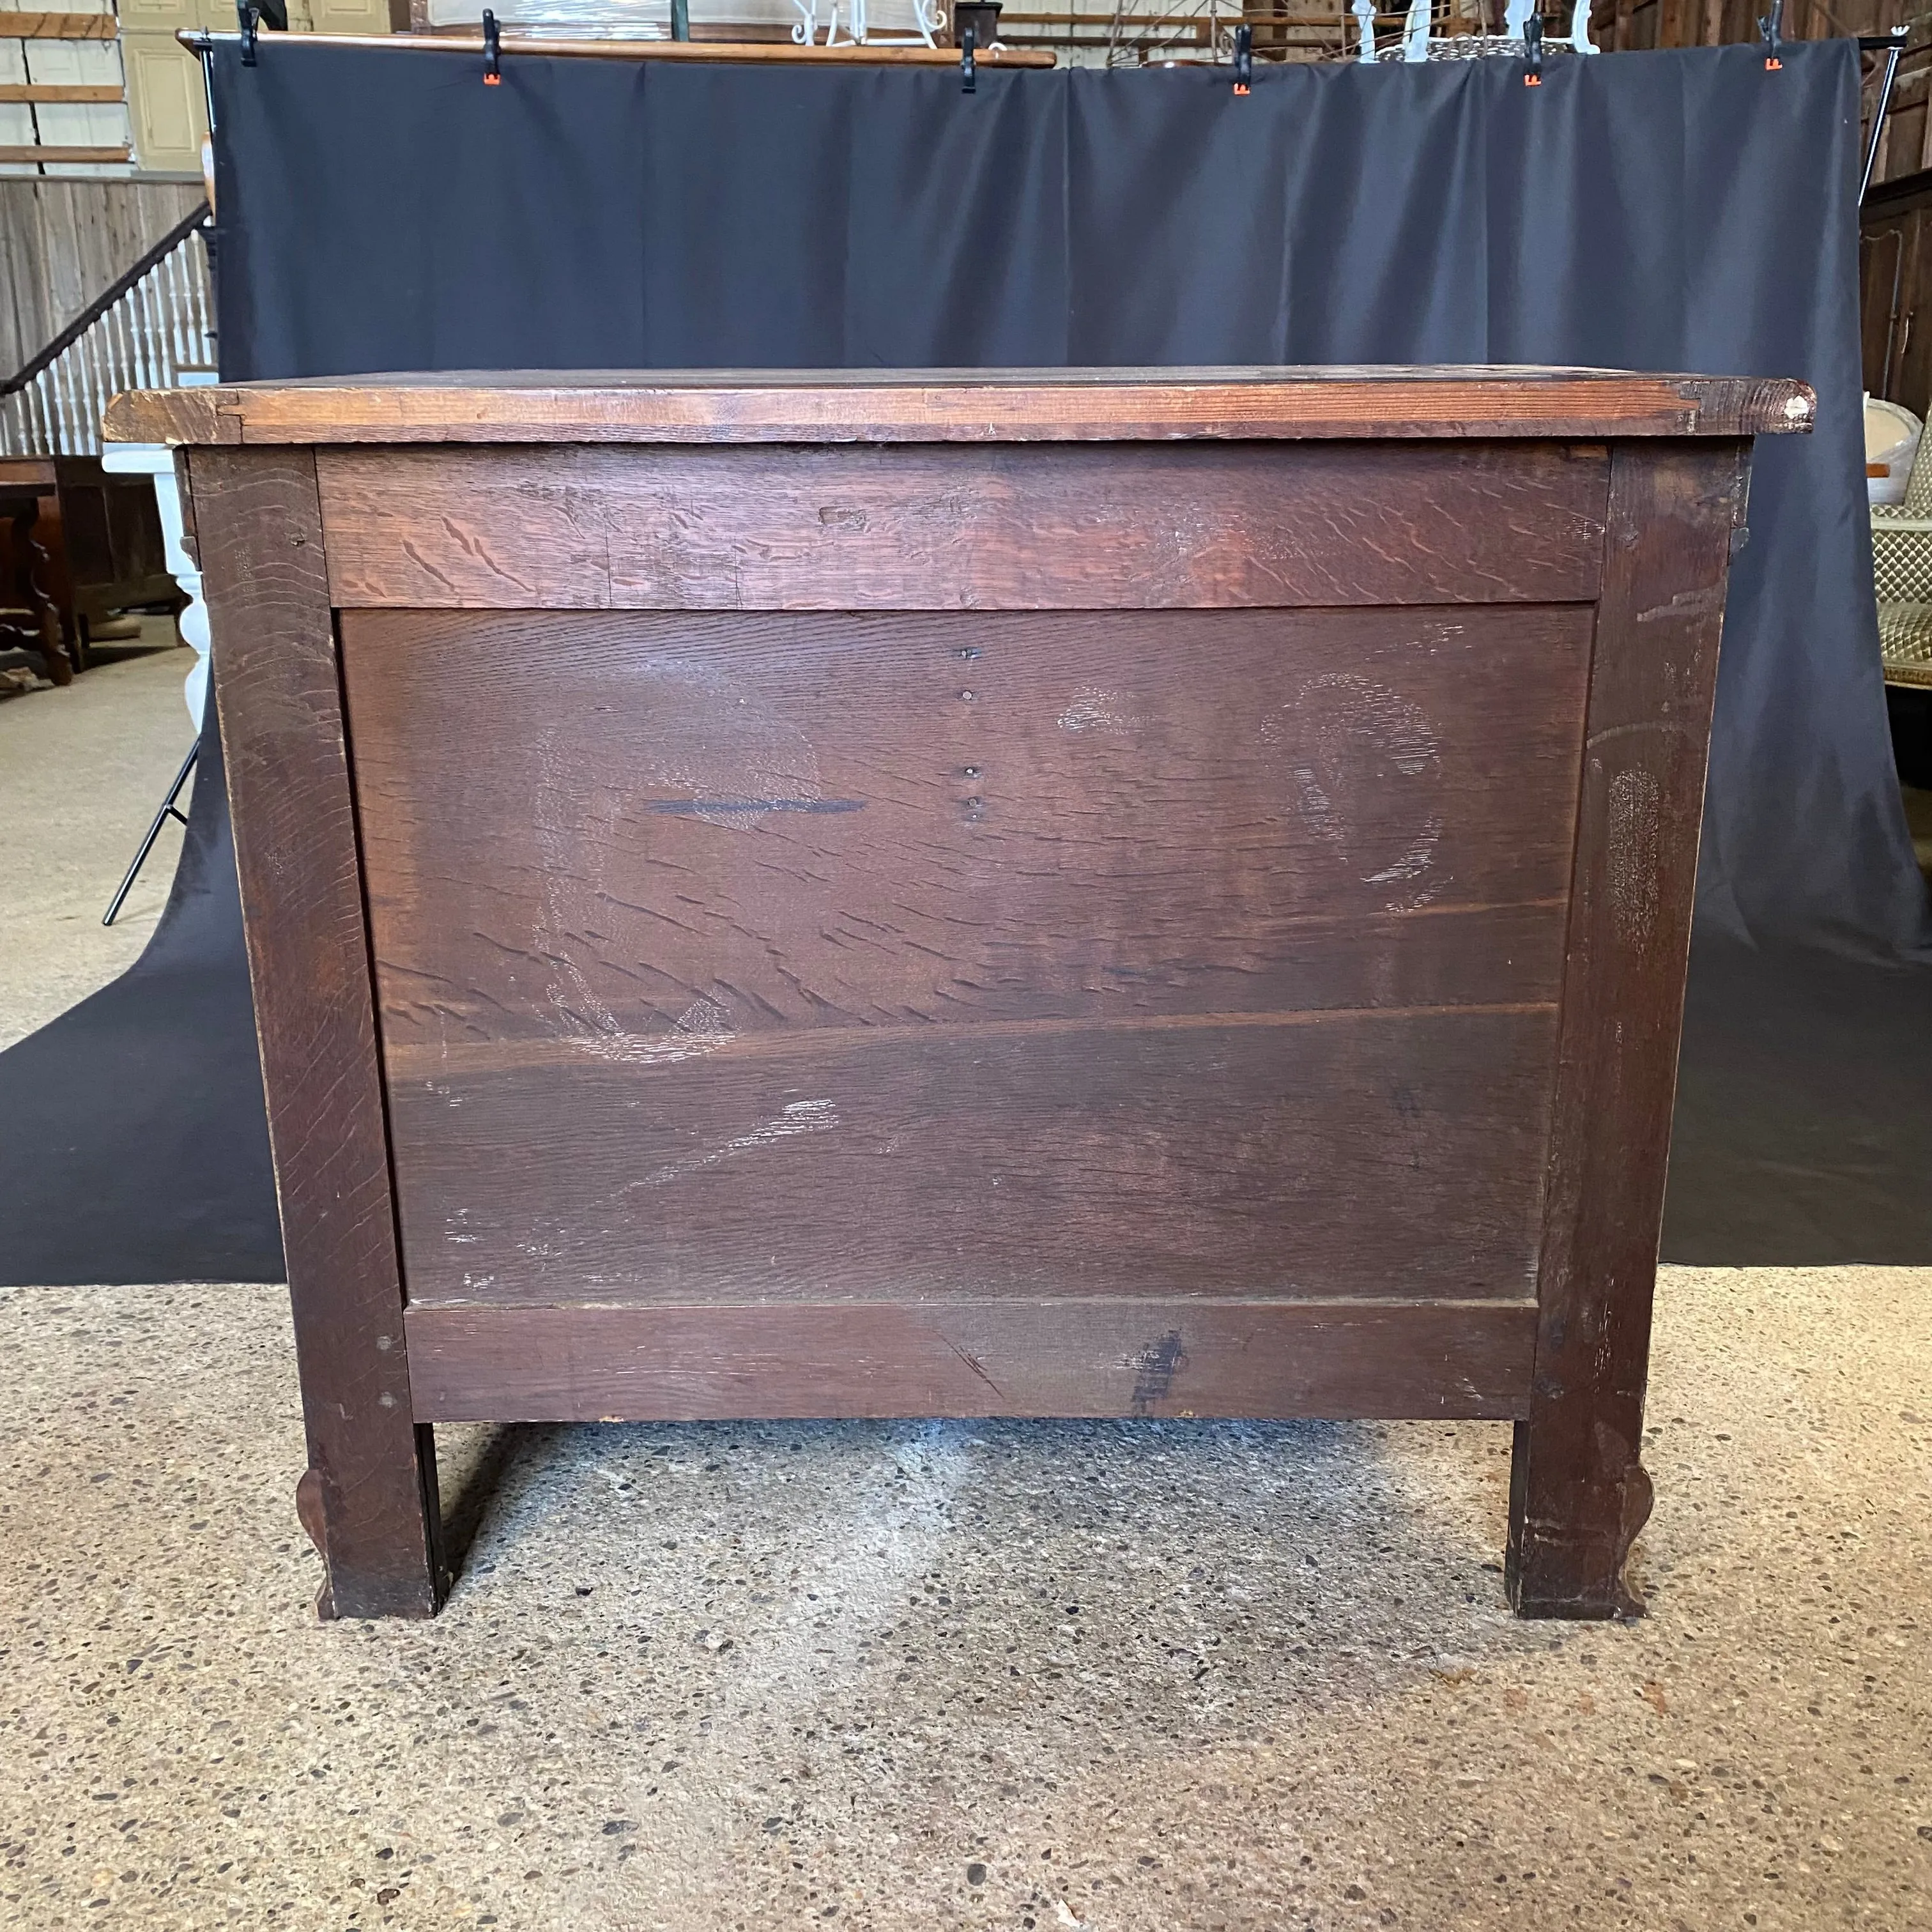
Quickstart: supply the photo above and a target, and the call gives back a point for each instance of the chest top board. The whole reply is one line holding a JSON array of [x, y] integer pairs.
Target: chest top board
[[1148, 892]]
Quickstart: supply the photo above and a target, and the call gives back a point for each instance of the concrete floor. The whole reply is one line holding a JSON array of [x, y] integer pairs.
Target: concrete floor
[[1145, 1677], [83, 770]]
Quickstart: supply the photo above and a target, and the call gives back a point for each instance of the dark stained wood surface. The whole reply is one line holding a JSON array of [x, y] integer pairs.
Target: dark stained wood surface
[[1201, 952], [963, 405], [1099, 1358], [1202, 526], [1580, 1494], [721, 823], [371, 1489], [1137, 928], [1341, 1153]]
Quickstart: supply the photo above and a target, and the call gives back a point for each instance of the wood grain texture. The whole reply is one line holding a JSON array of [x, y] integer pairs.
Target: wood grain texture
[[689, 827], [966, 1358], [964, 405], [14, 93], [1580, 1494], [36, 154], [1196, 953], [277, 685], [1201, 525], [1332, 1154]]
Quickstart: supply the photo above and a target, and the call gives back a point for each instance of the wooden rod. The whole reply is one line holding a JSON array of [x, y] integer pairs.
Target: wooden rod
[[195, 40], [14, 94]]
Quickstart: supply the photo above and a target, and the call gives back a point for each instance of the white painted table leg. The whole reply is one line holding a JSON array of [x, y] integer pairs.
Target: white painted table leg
[[157, 461]]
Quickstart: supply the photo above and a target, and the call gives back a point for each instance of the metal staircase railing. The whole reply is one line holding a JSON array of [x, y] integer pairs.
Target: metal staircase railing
[[148, 330]]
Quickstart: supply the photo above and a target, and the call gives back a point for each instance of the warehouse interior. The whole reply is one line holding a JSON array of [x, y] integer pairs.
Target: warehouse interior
[[1156, 1668]]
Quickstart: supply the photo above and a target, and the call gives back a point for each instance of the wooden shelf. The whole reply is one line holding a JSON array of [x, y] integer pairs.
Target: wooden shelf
[[15, 26], [58, 156], [14, 94]]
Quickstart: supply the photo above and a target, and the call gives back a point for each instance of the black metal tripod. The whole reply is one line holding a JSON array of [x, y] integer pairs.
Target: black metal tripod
[[169, 810]]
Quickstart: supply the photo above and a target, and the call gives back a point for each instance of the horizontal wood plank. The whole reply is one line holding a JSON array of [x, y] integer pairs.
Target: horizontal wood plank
[[964, 405], [41, 155], [28, 26], [968, 1358], [47, 94], [705, 831], [1200, 526], [1366, 1153]]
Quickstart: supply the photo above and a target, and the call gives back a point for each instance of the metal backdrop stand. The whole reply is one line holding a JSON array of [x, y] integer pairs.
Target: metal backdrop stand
[[169, 810]]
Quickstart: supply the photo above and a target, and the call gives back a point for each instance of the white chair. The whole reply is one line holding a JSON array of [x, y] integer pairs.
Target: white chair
[[928, 21], [1902, 575], [1417, 44]]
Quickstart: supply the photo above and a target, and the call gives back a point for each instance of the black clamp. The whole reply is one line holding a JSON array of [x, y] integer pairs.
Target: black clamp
[[1770, 25], [1244, 60], [1532, 51], [256, 13], [969, 78], [492, 52]]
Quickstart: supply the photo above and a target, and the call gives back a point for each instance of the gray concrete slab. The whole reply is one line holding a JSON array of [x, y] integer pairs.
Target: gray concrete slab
[[1122, 1676], [83, 769]]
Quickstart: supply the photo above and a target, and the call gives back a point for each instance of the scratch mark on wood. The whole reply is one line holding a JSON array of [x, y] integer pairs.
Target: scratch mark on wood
[[1091, 709], [1154, 1368], [972, 1363], [698, 808], [1336, 724], [1633, 859], [799, 1117]]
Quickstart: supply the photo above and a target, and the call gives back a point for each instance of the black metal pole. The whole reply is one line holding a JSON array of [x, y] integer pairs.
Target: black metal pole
[[169, 810], [1895, 46]]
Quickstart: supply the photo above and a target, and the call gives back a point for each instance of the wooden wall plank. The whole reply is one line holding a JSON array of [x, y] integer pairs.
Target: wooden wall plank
[[1176, 1358], [52, 95], [370, 1494], [17, 25], [61, 242], [45, 155]]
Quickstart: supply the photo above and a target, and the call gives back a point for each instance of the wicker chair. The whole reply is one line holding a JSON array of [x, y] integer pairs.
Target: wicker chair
[[1902, 565]]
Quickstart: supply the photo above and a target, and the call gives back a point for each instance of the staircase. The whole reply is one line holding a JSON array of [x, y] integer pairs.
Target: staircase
[[153, 329]]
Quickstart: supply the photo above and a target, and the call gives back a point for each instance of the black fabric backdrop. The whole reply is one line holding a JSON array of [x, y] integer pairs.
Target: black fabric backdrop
[[1658, 210], [382, 210]]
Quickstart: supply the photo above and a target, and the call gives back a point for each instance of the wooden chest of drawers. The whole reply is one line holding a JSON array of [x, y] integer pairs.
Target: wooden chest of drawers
[[1141, 893]]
